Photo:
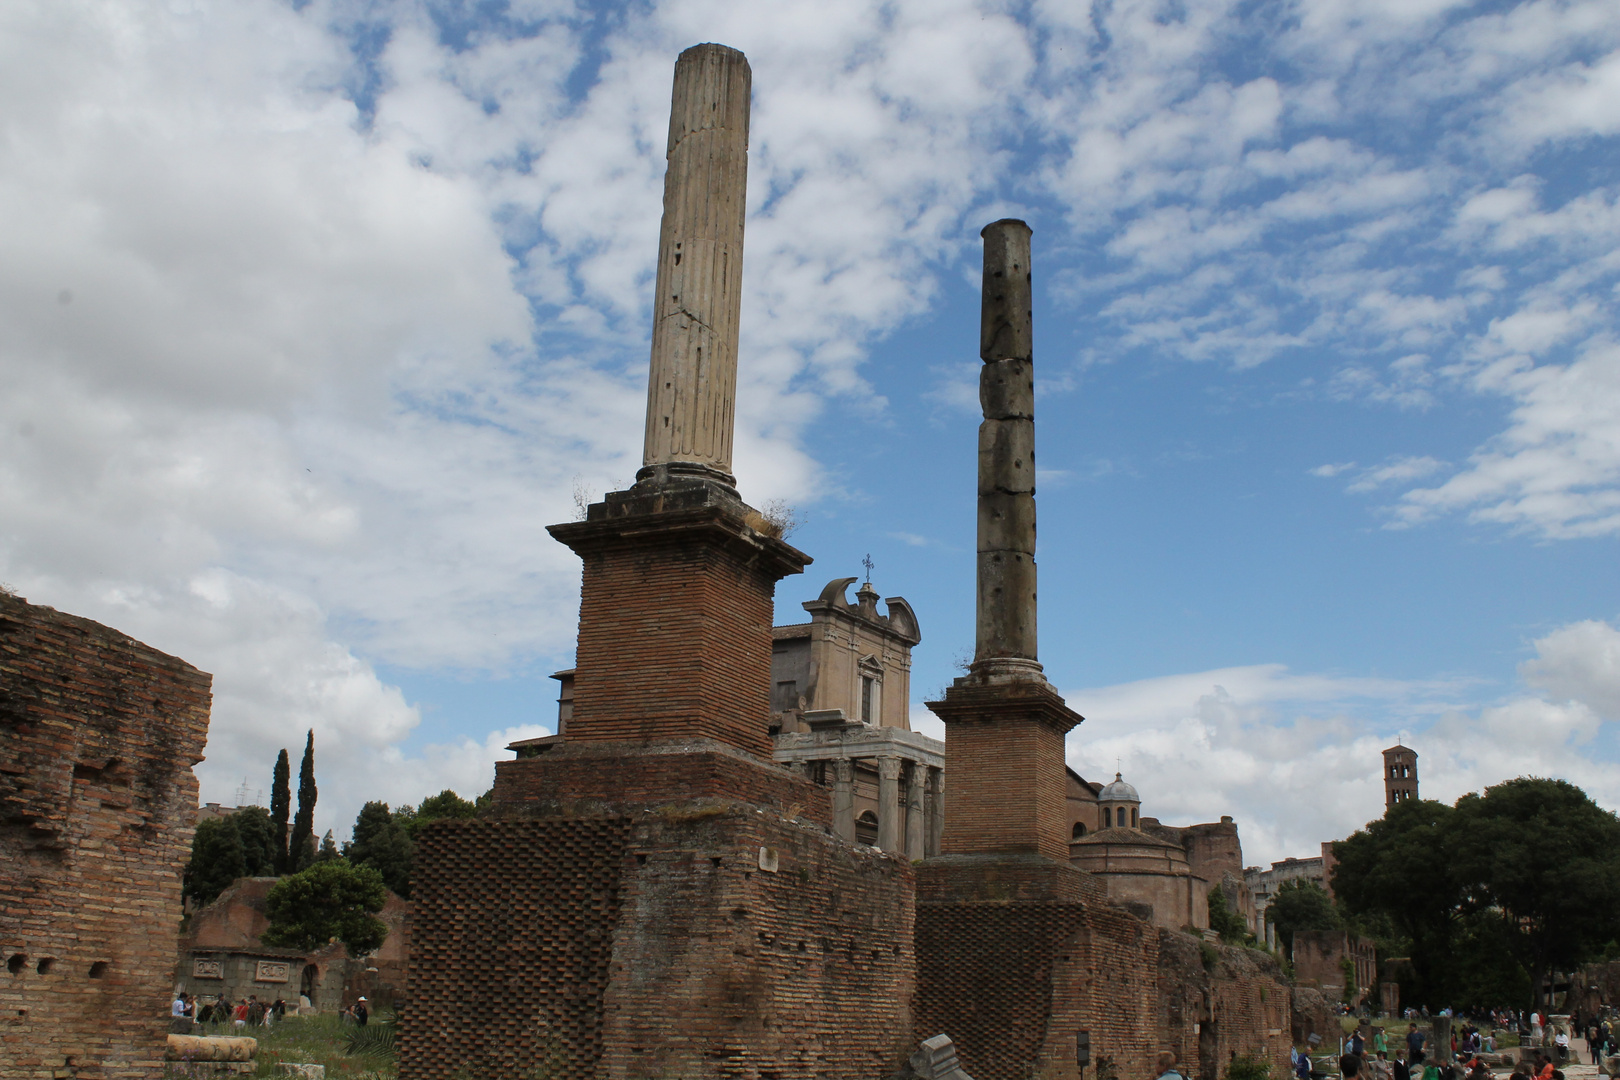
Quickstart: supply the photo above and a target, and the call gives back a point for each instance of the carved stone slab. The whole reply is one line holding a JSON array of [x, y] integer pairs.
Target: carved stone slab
[[207, 969], [272, 971]]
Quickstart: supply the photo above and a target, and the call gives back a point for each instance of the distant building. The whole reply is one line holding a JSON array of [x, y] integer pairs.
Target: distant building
[[221, 955], [1144, 863], [841, 714], [1400, 775], [1263, 885], [1326, 959]]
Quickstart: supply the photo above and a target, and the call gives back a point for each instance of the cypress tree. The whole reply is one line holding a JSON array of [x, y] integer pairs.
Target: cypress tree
[[280, 806], [301, 845]]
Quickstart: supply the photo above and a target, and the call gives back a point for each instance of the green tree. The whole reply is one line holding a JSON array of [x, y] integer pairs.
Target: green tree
[[280, 807], [1300, 905], [446, 804], [329, 849], [382, 843], [1224, 921], [328, 900], [258, 835], [301, 844], [1401, 869], [1547, 858], [216, 860]]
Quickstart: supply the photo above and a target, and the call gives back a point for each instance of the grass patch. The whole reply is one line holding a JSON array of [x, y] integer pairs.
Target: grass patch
[[322, 1040]]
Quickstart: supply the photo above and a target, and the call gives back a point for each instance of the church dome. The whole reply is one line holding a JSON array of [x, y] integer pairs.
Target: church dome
[[1118, 791]]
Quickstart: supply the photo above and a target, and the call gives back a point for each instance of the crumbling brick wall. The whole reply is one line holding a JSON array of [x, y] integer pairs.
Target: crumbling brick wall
[[98, 734], [1014, 983], [1218, 1001], [724, 941]]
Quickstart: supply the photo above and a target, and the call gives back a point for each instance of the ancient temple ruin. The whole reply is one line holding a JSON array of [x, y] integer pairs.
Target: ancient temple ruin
[[678, 884]]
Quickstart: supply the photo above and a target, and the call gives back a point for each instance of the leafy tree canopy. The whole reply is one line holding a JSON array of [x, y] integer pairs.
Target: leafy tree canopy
[[1493, 893], [446, 804], [329, 900], [1547, 858], [258, 834], [382, 843], [216, 860], [1301, 905]]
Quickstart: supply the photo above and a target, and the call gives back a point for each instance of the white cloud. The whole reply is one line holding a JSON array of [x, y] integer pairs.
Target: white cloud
[[1579, 662], [1295, 758], [1398, 470]]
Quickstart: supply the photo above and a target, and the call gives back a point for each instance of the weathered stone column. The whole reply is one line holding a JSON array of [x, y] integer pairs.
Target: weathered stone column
[[914, 809], [890, 836], [698, 299], [1005, 640], [843, 799], [936, 811]]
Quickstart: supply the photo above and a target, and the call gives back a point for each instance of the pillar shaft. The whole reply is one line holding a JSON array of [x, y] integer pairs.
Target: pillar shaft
[[1005, 638], [914, 809], [698, 298], [936, 811], [843, 799], [890, 836]]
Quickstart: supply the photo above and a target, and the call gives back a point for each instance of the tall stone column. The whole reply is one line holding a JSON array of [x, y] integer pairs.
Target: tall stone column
[[914, 809], [698, 300], [889, 811], [936, 811], [1004, 723], [843, 799], [1005, 638], [679, 573]]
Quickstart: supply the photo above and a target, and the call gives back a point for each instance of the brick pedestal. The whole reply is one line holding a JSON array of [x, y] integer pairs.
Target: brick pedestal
[[1004, 742], [675, 615]]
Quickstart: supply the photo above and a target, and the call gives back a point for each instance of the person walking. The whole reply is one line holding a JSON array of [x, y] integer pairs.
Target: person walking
[[1414, 1045], [361, 1013]]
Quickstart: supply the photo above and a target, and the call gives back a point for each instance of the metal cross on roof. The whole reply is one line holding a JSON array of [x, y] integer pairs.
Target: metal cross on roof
[[868, 563]]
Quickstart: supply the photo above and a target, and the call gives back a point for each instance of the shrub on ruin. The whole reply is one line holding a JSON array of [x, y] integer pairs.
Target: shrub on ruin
[[1248, 1067], [1226, 922], [328, 901]]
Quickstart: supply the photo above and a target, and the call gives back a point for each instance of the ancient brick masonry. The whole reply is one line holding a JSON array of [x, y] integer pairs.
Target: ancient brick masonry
[[702, 939], [98, 734]]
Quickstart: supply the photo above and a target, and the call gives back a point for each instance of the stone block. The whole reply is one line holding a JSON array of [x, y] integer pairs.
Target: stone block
[[1007, 523], [1006, 625], [1007, 457], [306, 1072], [1007, 390]]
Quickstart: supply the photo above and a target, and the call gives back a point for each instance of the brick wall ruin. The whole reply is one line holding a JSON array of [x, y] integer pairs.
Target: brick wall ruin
[[1013, 984], [98, 734], [708, 939]]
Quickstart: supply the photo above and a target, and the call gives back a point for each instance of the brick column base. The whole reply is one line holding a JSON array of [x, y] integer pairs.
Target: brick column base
[[1004, 743], [675, 615]]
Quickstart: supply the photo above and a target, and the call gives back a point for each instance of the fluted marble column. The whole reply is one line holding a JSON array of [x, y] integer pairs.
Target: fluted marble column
[[1005, 640], [843, 799], [693, 383], [891, 815]]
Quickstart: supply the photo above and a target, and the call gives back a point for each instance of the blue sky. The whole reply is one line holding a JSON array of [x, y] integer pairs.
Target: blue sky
[[314, 315]]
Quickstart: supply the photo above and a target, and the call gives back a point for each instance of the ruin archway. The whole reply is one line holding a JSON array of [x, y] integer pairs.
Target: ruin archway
[[308, 982], [866, 828]]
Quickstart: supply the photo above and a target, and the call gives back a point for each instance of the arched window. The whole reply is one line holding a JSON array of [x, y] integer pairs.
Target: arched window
[[866, 828], [1108, 818], [1079, 830], [1133, 817]]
